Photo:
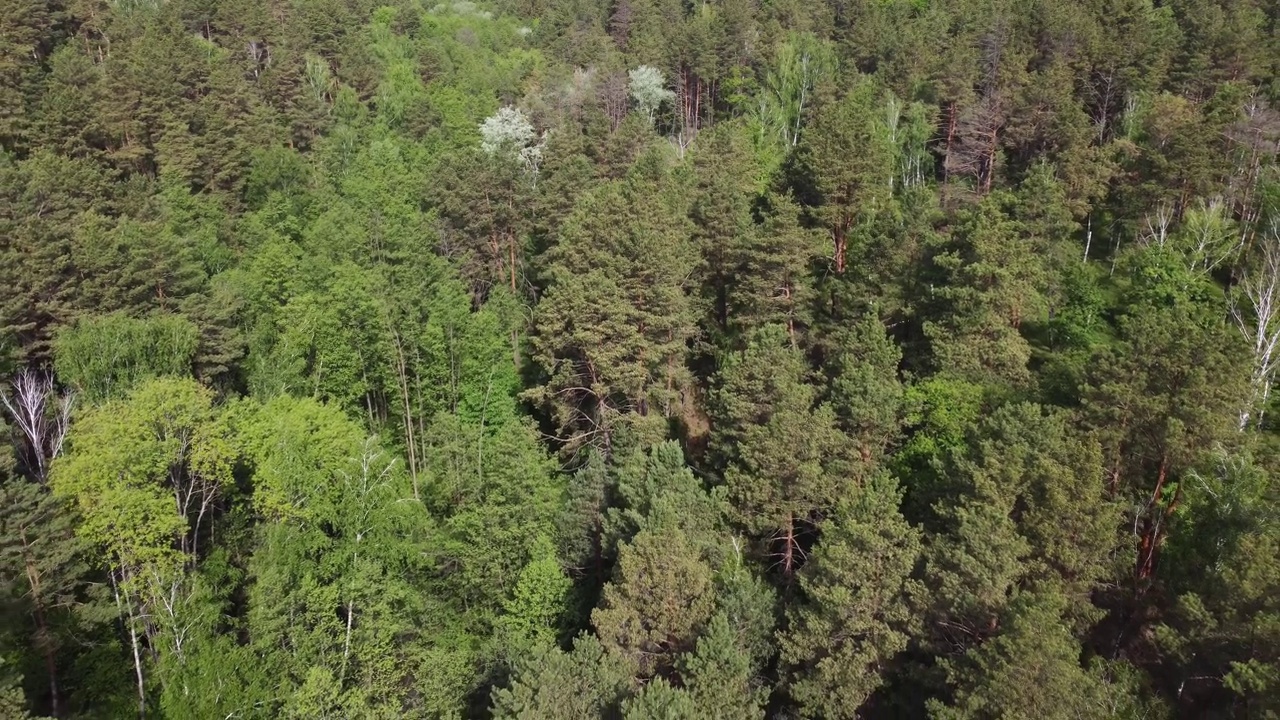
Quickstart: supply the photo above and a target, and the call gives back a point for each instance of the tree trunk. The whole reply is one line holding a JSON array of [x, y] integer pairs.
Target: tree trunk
[[410, 443], [841, 240], [511, 252], [133, 643], [1152, 527], [44, 637], [346, 644], [951, 136], [789, 548]]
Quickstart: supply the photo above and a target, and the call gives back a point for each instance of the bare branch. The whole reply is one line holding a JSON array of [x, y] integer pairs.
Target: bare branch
[[28, 406]]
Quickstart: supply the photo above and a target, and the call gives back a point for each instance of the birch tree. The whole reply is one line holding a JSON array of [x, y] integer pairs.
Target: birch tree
[[804, 62], [41, 416], [147, 475], [509, 132], [1255, 308]]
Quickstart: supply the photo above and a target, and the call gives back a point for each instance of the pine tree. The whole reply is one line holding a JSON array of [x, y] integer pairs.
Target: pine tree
[[30, 33], [661, 596], [1031, 670], [1030, 513], [583, 684], [865, 391], [485, 200], [854, 617], [721, 676], [611, 332], [44, 567], [996, 284], [850, 163], [1163, 396], [1223, 631], [781, 453], [721, 212], [66, 118], [771, 282], [658, 700], [41, 200]]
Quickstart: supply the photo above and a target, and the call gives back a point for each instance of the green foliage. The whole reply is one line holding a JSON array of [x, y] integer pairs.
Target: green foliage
[[849, 159], [997, 282], [1033, 668], [105, 357], [611, 332], [13, 702], [659, 701], [661, 596], [494, 491], [804, 63], [770, 283], [855, 618], [45, 601], [131, 459], [865, 390], [1030, 514], [533, 612], [344, 551], [583, 684], [1161, 399], [783, 456], [1225, 622], [779, 282]]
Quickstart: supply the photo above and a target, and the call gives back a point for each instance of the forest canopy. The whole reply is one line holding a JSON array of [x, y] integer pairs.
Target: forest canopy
[[640, 359]]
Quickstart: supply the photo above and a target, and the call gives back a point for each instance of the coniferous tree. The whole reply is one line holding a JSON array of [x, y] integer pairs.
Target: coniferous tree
[[854, 618], [660, 598], [849, 191], [782, 452], [587, 682], [331, 283], [611, 332]]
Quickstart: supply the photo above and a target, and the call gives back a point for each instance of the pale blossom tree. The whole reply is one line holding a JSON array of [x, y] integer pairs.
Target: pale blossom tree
[[509, 132], [649, 89]]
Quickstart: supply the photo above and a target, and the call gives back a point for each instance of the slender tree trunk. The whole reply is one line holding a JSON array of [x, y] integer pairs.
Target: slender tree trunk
[[511, 256], [410, 443], [50, 663], [789, 548], [133, 643], [791, 318], [44, 637], [597, 549], [1088, 237], [137, 668], [841, 239], [671, 377], [989, 170], [951, 136], [1153, 529], [45, 640], [346, 644], [417, 386]]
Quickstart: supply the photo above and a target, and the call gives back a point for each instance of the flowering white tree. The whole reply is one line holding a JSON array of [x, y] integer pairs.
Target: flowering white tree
[[649, 90], [508, 131]]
